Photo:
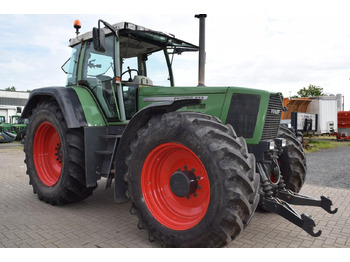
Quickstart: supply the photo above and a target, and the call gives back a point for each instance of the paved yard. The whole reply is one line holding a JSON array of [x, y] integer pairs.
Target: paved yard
[[99, 222]]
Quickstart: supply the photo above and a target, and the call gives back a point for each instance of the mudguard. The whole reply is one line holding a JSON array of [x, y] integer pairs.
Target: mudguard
[[67, 99], [138, 121]]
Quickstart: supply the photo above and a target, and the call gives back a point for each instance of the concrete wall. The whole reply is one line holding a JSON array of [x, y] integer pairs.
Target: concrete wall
[[11, 101]]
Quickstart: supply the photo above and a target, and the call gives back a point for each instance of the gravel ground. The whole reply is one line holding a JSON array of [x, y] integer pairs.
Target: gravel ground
[[329, 168]]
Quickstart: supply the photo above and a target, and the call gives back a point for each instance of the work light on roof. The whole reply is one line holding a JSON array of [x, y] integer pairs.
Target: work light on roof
[[131, 26]]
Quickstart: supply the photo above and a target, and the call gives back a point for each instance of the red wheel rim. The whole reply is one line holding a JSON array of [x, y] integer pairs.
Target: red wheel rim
[[178, 213], [47, 154], [274, 179]]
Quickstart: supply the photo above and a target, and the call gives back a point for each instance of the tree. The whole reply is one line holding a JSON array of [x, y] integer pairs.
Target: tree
[[11, 88], [312, 90]]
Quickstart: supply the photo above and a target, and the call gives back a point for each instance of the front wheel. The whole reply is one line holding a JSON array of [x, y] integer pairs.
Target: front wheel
[[292, 161], [55, 157], [191, 180]]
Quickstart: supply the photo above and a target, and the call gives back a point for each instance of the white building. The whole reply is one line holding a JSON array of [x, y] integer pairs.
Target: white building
[[12, 103]]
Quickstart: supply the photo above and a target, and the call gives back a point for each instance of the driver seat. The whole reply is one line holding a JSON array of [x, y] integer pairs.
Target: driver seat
[[142, 80]]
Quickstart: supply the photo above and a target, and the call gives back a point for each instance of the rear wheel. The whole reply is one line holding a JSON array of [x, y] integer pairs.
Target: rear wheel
[[292, 161], [191, 180], [55, 157]]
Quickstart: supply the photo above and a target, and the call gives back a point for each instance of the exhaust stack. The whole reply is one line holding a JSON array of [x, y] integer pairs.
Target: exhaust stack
[[201, 60]]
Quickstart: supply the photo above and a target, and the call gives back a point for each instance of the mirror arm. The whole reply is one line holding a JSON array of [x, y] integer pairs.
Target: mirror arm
[[117, 72], [109, 26]]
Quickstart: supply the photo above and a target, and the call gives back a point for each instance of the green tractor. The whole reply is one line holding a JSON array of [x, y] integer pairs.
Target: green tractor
[[15, 130], [6, 135], [195, 162], [19, 126]]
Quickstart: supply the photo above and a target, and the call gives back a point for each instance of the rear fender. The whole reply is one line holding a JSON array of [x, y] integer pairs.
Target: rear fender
[[67, 100]]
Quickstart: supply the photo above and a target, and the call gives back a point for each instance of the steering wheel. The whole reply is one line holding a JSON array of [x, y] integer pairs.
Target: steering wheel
[[129, 71]]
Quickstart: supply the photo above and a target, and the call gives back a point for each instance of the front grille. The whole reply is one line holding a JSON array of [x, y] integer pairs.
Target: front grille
[[273, 117]]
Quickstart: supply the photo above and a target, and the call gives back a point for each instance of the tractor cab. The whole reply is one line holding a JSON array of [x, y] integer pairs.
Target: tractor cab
[[113, 62]]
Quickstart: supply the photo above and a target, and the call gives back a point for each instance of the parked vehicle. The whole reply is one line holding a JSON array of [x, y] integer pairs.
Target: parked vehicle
[[343, 125], [195, 162]]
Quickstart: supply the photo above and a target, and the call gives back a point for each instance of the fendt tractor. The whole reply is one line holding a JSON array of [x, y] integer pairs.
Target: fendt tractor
[[195, 162]]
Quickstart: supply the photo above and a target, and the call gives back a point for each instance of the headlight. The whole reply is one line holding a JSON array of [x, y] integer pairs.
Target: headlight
[[284, 142], [272, 145], [281, 142]]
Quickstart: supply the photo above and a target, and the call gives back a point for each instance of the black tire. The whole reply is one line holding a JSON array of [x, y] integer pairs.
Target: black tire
[[63, 180], [292, 161], [228, 167]]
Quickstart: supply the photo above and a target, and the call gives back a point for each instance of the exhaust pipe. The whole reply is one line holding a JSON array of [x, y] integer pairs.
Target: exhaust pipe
[[201, 60]]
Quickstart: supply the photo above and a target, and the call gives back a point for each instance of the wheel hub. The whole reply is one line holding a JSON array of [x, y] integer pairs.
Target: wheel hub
[[59, 153], [183, 183]]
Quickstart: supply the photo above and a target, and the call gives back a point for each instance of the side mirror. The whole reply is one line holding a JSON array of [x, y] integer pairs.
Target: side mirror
[[98, 37]]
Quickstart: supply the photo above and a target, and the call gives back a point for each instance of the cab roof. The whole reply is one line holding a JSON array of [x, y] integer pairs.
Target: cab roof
[[138, 37]]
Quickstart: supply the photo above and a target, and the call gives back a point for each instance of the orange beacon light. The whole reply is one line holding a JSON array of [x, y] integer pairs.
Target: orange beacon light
[[77, 26]]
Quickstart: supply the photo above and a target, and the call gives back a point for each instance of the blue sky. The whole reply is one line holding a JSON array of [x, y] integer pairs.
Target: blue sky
[[273, 45]]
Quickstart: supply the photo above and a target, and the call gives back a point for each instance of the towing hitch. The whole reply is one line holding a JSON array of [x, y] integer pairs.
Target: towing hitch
[[279, 203]]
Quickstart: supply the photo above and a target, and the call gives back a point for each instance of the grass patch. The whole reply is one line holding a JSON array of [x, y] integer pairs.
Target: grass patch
[[313, 145]]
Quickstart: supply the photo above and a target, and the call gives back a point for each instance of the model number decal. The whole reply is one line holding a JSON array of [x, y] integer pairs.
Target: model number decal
[[172, 98]]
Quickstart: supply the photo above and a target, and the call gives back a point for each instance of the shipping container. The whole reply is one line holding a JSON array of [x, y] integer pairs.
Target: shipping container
[[326, 109]]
